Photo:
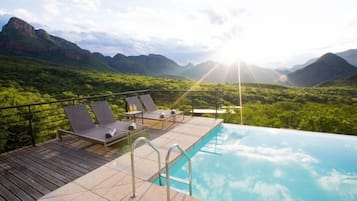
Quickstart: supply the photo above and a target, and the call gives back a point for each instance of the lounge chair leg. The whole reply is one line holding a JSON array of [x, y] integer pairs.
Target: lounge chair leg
[[105, 146], [59, 135]]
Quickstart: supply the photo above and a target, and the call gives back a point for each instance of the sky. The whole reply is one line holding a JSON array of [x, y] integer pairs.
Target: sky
[[271, 34]]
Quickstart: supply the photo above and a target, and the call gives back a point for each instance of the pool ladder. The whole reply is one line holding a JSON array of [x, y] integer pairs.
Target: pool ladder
[[160, 174]]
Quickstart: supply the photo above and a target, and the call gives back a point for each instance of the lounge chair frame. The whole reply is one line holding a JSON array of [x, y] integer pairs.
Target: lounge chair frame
[[86, 129], [105, 118], [150, 112]]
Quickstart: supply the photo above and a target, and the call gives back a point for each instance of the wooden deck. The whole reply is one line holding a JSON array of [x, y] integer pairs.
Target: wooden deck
[[32, 172]]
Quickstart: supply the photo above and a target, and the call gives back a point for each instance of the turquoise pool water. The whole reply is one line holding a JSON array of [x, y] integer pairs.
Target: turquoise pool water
[[246, 163]]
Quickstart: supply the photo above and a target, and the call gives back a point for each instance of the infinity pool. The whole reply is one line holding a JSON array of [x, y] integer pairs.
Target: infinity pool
[[235, 162]]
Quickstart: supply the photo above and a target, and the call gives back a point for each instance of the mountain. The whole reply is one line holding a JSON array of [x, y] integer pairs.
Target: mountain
[[350, 56], [216, 72], [327, 67], [301, 66], [152, 64], [18, 38], [349, 82]]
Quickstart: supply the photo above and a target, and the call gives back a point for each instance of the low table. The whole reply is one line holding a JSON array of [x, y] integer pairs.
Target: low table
[[133, 115]]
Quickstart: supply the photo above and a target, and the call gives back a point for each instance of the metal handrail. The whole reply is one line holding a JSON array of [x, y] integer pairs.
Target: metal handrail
[[29, 124], [75, 99], [167, 169], [133, 146]]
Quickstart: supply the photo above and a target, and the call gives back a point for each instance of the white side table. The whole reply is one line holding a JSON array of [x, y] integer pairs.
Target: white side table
[[134, 114]]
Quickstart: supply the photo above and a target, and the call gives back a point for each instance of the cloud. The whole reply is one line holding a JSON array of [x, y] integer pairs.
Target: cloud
[[2, 11], [276, 155], [24, 14], [265, 191], [109, 45], [238, 11], [51, 8], [213, 16], [87, 5], [343, 184]]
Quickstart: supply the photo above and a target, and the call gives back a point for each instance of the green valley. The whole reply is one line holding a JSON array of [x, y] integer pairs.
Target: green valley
[[329, 108]]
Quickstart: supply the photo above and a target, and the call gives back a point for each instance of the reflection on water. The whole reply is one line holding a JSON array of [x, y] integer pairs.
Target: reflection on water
[[251, 163]]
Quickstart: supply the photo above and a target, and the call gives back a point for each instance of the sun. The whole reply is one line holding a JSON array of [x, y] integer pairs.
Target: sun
[[228, 53]]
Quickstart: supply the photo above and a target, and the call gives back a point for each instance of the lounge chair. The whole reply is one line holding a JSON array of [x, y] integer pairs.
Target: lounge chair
[[150, 106], [159, 115], [105, 118], [83, 127]]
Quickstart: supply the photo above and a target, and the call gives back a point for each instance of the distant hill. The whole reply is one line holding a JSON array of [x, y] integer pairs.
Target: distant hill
[[216, 72], [328, 67], [349, 81], [349, 55], [152, 64], [301, 66], [19, 38]]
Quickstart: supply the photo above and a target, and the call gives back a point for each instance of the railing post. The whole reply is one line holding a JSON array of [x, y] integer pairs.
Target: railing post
[[192, 105], [30, 131], [216, 115]]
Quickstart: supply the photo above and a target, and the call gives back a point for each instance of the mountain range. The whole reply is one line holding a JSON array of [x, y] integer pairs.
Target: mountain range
[[18, 38], [327, 67]]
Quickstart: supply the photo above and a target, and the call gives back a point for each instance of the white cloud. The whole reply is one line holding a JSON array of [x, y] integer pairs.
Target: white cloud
[[2, 11], [214, 17], [278, 173], [343, 184], [88, 5], [276, 155], [264, 33], [265, 191], [51, 9], [24, 14]]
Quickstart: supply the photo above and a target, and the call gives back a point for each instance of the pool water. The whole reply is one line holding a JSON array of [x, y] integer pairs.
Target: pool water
[[235, 162]]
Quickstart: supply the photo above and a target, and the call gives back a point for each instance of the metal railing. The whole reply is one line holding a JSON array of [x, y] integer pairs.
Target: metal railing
[[29, 124], [167, 159], [133, 146], [33, 123]]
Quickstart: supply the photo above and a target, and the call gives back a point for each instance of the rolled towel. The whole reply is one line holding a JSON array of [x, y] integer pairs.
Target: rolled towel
[[111, 133], [132, 126], [173, 111], [162, 115]]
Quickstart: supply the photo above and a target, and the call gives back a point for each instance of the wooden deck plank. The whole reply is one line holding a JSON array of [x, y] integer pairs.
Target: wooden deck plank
[[58, 159], [35, 182], [53, 162], [15, 190], [37, 174], [40, 168], [19, 174], [51, 165], [6, 194], [79, 155], [31, 191], [30, 173]]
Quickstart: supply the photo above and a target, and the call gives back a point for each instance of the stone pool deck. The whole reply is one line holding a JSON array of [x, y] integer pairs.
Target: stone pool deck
[[112, 181]]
